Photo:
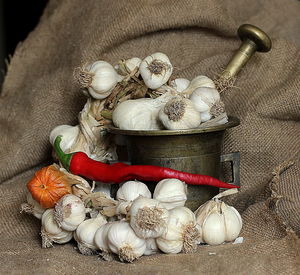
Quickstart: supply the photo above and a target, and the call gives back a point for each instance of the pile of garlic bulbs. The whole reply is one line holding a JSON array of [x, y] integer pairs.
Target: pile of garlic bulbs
[[142, 94], [135, 222]]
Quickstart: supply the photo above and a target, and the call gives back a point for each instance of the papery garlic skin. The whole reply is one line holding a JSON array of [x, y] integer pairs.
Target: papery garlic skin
[[148, 217], [131, 190], [140, 114], [179, 114], [182, 232], [51, 232], [101, 237], [171, 193], [69, 134], [180, 84], [156, 70], [151, 247], [124, 242], [219, 222], [69, 212], [32, 207], [99, 78], [85, 233], [204, 98]]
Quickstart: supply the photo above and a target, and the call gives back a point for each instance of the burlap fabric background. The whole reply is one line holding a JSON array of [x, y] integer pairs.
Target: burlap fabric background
[[199, 36]]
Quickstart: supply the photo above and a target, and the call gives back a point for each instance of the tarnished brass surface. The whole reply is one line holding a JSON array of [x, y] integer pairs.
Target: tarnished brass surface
[[194, 151], [253, 39]]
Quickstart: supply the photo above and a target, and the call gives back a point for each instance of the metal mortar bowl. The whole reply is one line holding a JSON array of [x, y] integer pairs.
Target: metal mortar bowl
[[195, 151]]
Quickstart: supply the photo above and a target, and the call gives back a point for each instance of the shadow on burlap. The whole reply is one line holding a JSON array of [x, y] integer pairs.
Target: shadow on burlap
[[199, 37]]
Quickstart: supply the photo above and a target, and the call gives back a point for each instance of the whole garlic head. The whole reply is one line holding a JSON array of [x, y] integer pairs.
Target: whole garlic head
[[204, 98], [171, 193], [156, 70], [69, 212], [131, 190], [85, 233], [148, 217], [51, 232], [182, 232], [32, 207], [124, 242], [179, 113], [219, 222], [99, 78]]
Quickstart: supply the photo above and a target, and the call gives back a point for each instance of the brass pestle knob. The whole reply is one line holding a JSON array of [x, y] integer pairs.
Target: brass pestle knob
[[253, 39]]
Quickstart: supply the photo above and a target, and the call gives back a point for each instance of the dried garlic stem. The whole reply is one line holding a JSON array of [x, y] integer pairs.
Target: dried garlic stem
[[84, 78], [191, 236], [149, 218], [27, 208]]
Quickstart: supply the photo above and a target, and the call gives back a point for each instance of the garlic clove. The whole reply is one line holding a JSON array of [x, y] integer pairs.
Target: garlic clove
[[233, 222], [100, 238], [171, 193], [131, 190], [151, 247], [85, 233], [197, 82], [180, 84], [148, 217], [213, 229], [169, 246], [205, 116], [69, 133], [156, 70]]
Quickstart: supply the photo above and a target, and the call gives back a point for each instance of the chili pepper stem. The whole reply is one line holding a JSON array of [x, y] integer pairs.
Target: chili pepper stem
[[64, 158]]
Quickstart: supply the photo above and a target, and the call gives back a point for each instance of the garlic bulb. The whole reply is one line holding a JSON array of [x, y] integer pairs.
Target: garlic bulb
[[99, 78], [204, 98], [130, 190], [180, 84], [219, 222], [69, 133], [148, 217], [140, 114], [32, 207], [100, 238], [124, 242], [51, 232], [182, 232], [156, 70], [85, 233], [171, 193], [151, 247], [179, 113], [198, 82], [69, 212]]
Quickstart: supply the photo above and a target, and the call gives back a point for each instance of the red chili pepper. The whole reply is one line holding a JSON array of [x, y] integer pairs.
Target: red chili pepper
[[79, 163]]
